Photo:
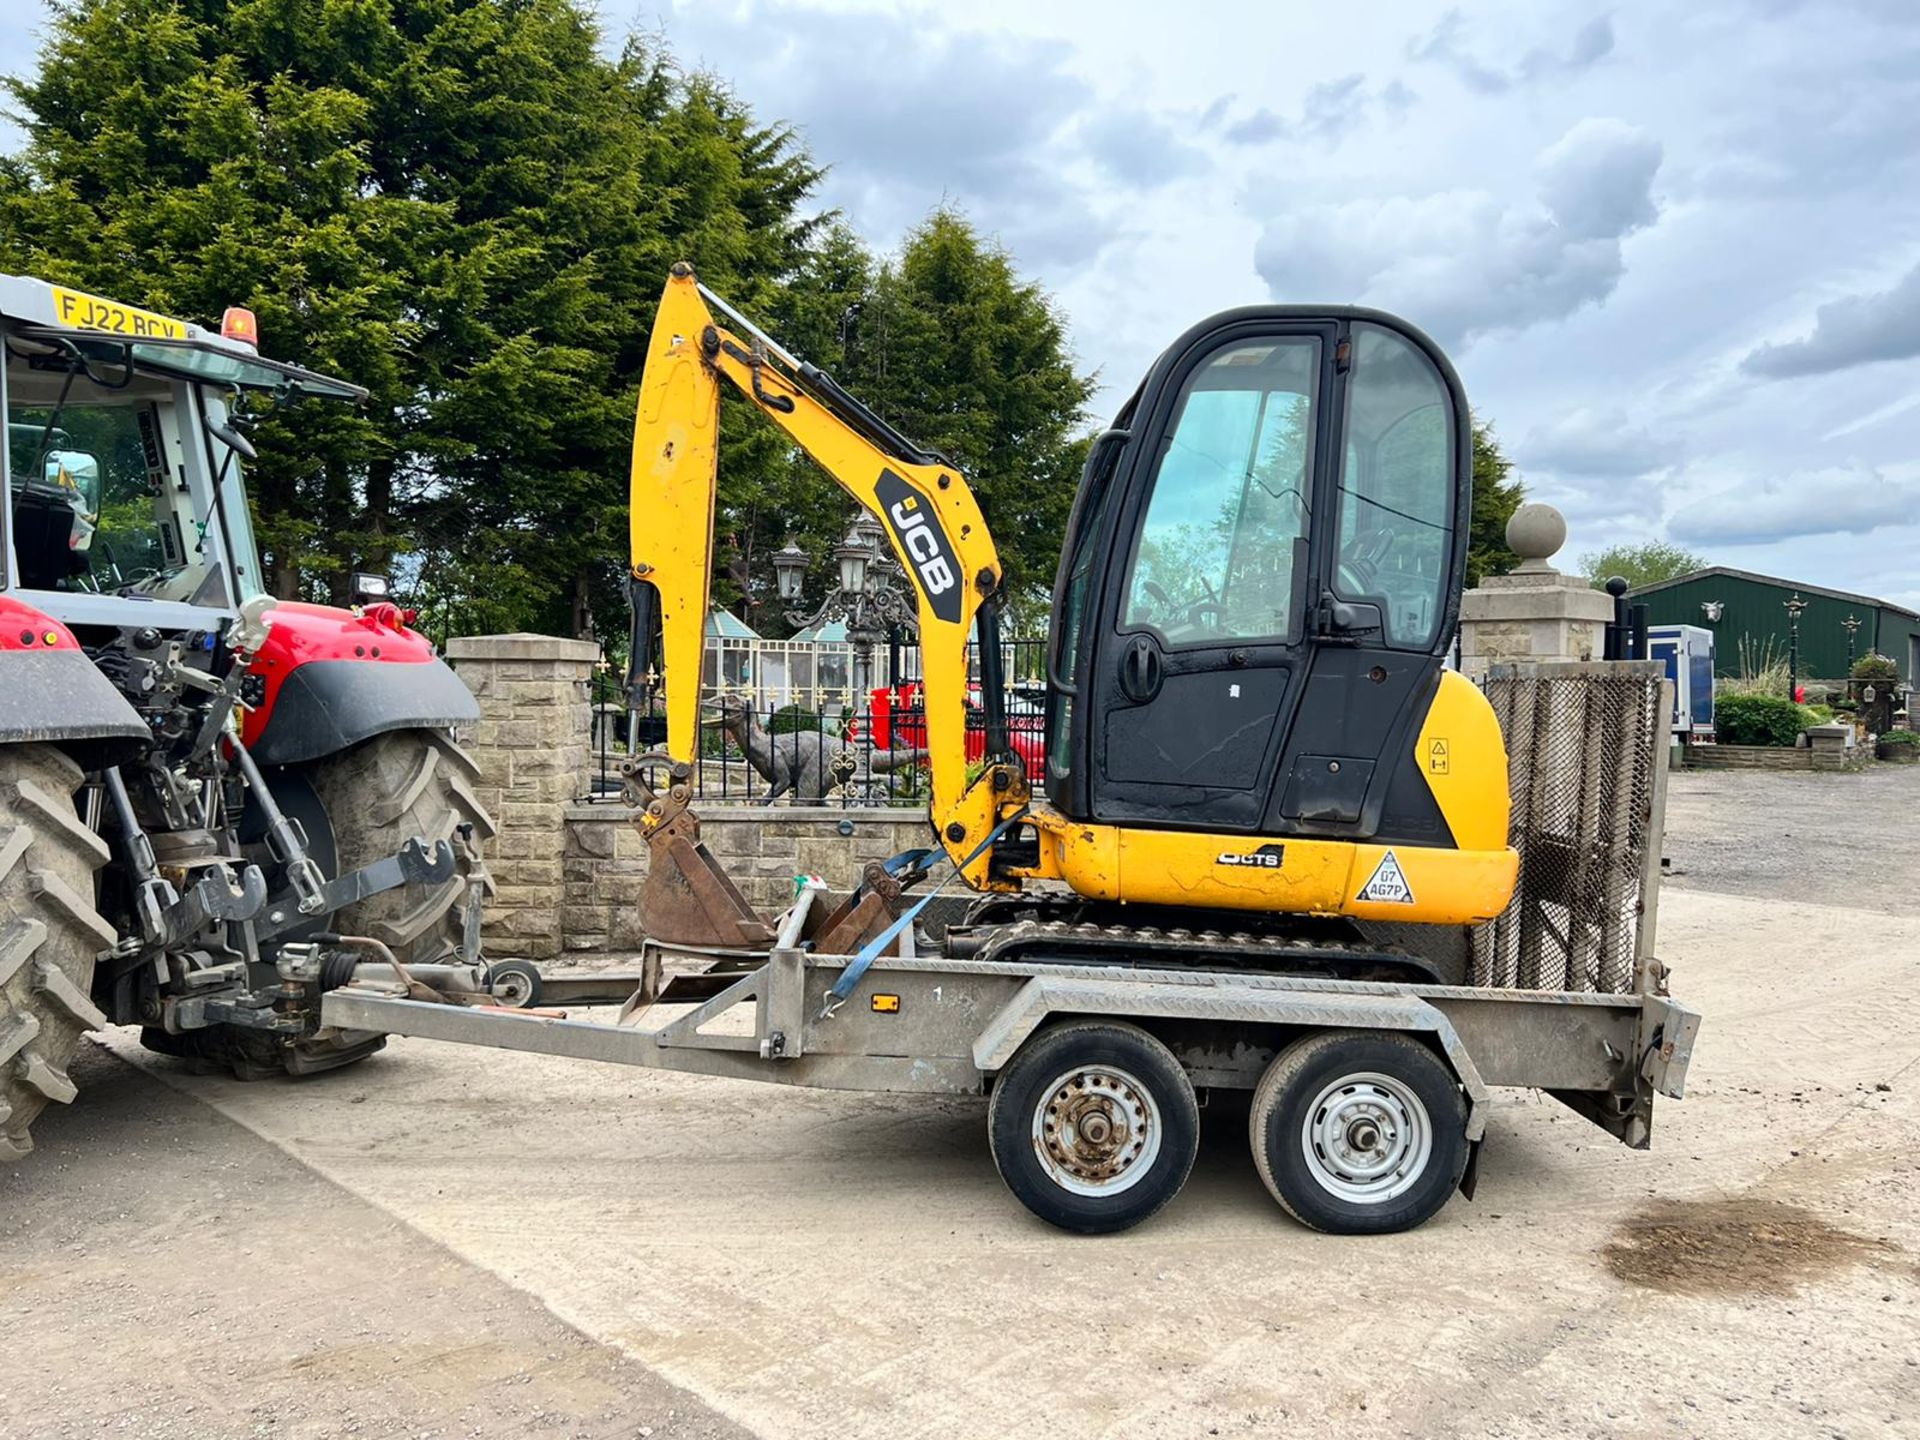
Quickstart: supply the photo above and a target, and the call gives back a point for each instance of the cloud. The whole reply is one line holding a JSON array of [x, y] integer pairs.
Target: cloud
[[1445, 45], [1854, 330], [1597, 179], [1838, 500], [1463, 263], [909, 114], [1140, 149], [1330, 112], [1600, 443]]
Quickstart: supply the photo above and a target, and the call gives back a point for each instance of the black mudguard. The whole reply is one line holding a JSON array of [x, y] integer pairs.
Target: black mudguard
[[326, 706], [60, 697]]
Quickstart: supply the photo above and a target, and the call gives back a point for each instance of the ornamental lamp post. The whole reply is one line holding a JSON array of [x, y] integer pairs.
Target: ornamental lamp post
[[1852, 627], [789, 571], [853, 554], [1793, 606]]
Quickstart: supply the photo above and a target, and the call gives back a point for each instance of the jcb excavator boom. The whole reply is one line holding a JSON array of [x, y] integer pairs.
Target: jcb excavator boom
[[1248, 704]]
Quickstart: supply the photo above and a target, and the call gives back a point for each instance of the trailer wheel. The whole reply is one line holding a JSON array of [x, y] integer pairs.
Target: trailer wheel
[[1359, 1132], [1094, 1126], [514, 984]]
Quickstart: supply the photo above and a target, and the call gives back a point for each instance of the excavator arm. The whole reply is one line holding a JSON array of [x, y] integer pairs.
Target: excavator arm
[[931, 518]]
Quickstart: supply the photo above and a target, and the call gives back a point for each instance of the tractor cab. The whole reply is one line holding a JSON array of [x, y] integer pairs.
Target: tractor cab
[[124, 490]]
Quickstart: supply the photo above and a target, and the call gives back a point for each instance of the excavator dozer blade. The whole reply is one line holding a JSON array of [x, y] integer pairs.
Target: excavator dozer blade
[[687, 899]]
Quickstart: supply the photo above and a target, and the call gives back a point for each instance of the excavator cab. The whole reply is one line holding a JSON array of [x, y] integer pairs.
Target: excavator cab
[[1261, 582]]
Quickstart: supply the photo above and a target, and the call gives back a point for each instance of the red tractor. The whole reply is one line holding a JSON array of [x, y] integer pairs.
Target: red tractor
[[213, 807]]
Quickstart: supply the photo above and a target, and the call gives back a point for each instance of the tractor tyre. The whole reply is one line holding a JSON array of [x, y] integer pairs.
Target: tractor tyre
[[358, 807], [50, 934], [396, 787]]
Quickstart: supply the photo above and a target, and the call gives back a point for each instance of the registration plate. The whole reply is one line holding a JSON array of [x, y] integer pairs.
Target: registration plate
[[80, 311]]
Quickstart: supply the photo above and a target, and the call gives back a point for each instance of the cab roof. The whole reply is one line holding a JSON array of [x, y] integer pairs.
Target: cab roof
[[51, 320]]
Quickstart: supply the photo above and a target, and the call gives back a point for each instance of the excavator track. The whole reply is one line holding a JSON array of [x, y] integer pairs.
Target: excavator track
[[1271, 949]]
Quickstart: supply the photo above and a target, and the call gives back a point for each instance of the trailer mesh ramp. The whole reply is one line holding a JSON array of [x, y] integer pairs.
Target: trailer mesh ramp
[[1583, 741]]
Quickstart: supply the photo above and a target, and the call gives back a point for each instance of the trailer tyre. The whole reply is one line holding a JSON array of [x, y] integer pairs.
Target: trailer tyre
[[1094, 1126], [1359, 1132], [50, 934], [514, 984]]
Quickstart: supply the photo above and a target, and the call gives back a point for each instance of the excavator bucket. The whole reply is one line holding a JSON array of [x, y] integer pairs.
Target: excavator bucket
[[867, 911], [687, 899]]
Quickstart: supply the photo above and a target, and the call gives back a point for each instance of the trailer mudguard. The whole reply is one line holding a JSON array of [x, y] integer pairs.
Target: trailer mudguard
[[326, 679], [51, 691]]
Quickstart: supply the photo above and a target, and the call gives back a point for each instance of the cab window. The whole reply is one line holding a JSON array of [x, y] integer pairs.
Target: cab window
[[1220, 547], [1396, 492], [83, 504]]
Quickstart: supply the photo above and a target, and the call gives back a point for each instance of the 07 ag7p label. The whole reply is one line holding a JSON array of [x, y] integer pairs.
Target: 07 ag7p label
[[1388, 885], [1267, 857]]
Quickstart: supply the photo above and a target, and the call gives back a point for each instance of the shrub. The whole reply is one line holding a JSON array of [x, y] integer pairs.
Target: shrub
[[1757, 720], [1872, 666], [1816, 714], [1905, 738], [792, 720]]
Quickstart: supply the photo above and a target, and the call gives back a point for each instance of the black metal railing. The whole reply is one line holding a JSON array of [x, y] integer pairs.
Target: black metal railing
[[838, 754]]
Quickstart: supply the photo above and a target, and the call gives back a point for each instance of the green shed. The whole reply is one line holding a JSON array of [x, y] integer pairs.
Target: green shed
[[1742, 608]]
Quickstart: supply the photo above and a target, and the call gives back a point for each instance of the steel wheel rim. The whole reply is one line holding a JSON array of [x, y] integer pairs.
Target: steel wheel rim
[[1096, 1130], [1367, 1138]]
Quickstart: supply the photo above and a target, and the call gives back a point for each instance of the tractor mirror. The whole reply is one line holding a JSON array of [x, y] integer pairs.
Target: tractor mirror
[[232, 439]]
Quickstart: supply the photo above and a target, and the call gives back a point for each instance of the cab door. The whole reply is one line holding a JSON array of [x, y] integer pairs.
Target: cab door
[[1208, 600]]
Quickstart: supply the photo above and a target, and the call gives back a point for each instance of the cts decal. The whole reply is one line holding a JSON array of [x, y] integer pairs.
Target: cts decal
[[1267, 857], [918, 531]]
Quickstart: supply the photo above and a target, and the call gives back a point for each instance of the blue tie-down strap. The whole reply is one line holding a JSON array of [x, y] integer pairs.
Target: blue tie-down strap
[[850, 977]]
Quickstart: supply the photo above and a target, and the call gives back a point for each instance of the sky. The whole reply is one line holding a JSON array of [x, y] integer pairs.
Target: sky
[[1674, 250]]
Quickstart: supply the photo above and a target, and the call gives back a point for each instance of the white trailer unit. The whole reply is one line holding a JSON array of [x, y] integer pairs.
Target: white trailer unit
[[1369, 1097]]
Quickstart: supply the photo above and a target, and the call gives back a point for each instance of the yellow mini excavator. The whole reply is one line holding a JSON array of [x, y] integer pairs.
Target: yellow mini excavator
[[1248, 707]]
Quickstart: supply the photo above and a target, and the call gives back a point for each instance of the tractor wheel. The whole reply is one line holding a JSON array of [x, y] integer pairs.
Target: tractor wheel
[[49, 934], [357, 807], [385, 791]]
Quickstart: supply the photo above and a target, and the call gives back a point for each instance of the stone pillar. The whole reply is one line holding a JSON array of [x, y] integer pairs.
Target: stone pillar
[[1536, 613], [532, 748]]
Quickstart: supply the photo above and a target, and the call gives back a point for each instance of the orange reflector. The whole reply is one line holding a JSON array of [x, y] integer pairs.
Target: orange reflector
[[238, 324]]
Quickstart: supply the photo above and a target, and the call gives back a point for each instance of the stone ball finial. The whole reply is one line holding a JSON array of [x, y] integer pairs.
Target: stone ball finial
[[1535, 533]]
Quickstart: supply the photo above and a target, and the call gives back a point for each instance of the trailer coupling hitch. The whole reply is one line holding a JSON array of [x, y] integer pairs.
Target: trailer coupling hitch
[[416, 864]]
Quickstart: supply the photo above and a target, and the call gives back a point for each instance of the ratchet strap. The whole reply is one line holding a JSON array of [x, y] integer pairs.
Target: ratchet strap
[[856, 970]]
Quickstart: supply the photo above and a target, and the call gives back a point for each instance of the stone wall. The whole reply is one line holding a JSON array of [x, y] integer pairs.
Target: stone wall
[[761, 847], [531, 746], [1748, 757]]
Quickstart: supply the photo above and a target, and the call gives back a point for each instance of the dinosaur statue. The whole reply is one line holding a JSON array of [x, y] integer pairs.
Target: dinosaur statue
[[807, 762]]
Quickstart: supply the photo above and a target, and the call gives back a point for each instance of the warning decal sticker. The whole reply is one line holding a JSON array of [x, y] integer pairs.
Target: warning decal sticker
[[1388, 885]]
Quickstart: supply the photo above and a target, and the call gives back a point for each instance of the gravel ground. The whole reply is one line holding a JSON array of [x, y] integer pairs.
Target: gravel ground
[[451, 1242], [165, 1273], [1848, 839]]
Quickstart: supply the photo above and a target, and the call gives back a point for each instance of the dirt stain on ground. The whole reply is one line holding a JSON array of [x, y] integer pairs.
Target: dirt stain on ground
[[1733, 1247]]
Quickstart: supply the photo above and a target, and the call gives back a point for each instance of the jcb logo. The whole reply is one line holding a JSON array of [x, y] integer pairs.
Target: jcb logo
[[918, 530]]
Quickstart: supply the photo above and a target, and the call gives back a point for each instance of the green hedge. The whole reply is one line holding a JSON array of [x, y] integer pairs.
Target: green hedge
[[1757, 720], [1905, 738]]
